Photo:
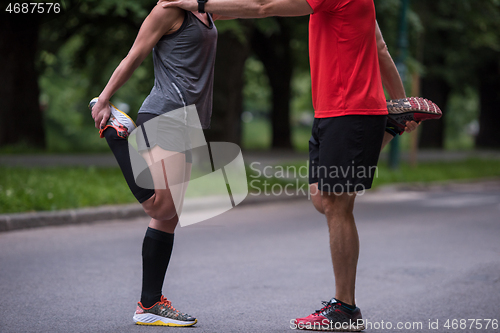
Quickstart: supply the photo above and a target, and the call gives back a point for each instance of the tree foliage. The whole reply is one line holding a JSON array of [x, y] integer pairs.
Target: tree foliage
[[454, 46]]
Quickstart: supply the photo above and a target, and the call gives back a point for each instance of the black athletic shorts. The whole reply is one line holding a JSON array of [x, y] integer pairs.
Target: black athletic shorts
[[344, 152], [168, 133]]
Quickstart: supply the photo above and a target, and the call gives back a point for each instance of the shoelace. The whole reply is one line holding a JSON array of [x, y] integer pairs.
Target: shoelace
[[326, 304], [166, 302]]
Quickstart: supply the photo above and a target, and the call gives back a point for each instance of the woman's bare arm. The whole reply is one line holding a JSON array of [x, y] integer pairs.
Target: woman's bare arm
[[159, 22]]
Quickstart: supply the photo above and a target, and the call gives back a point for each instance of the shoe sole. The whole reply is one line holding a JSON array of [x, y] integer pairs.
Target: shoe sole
[[323, 329], [411, 109], [150, 319]]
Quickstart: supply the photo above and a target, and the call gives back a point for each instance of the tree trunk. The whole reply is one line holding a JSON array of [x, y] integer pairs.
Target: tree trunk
[[274, 52], [489, 101], [432, 131], [228, 89], [21, 119]]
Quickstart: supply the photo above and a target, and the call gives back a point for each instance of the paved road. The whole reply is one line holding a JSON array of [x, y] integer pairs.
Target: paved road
[[270, 157], [425, 255]]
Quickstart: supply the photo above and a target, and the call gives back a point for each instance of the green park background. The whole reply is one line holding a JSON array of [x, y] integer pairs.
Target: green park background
[[52, 65]]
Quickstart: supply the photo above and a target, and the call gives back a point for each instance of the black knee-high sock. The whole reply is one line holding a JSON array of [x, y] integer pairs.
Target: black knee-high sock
[[119, 147], [156, 252]]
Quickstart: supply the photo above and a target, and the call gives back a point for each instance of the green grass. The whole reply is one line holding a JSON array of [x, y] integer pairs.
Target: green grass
[[35, 189], [42, 189], [439, 171], [300, 138], [256, 134], [424, 172]]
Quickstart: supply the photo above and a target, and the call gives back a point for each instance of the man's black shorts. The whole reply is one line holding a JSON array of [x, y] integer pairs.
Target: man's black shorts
[[344, 152]]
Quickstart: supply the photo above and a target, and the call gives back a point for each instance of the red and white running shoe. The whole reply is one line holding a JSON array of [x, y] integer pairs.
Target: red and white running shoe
[[333, 317], [411, 108]]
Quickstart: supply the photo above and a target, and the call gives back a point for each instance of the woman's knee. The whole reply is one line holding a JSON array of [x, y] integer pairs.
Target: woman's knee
[[164, 225], [160, 209], [161, 213]]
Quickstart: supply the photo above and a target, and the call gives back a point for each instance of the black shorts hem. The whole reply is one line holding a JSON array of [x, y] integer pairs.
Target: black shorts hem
[[344, 152], [344, 187], [143, 195]]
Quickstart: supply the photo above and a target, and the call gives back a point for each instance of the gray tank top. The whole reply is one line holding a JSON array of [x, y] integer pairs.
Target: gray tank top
[[184, 69]]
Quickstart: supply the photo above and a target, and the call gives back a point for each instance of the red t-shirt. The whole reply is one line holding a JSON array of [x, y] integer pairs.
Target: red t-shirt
[[345, 73]]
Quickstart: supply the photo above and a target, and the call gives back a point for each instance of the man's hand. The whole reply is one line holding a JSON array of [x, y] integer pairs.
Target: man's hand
[[411, 126], [189, 5], [100, 113]]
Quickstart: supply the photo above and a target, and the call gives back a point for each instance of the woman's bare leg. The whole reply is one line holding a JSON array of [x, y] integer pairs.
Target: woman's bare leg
[[170, 174]]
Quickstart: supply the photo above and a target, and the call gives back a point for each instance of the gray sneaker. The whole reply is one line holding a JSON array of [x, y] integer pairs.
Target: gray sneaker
[[162, 314]]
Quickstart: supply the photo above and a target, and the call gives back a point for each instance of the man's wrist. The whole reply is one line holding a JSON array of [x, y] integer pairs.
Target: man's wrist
[[201, 6]]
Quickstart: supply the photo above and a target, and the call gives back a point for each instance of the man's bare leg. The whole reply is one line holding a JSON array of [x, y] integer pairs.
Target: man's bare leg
[[387, 138], [315, 193], [316, 198], [410, 127], [344, 242]]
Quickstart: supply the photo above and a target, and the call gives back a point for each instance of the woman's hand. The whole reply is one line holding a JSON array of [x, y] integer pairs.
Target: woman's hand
[[100, 113]]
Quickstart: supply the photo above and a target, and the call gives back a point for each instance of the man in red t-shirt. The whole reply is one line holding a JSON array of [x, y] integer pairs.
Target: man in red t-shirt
[[349, 63]]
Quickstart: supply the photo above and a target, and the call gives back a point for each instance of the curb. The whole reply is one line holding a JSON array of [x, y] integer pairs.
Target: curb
[[18, 221], [9, 222]]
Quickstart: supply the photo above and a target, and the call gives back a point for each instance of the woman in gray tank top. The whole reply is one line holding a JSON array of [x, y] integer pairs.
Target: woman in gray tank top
[[183, 45]]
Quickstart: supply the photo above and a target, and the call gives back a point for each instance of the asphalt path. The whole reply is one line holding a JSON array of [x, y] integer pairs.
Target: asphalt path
[[425, 256], [262, 157]]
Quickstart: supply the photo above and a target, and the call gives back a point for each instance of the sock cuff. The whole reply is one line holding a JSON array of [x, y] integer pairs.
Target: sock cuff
[[159, 235], [348, 306]]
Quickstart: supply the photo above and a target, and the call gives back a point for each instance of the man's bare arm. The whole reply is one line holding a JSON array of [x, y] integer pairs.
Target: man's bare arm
[[390, 80], [216, 17], [247, 8], [390, 76]]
